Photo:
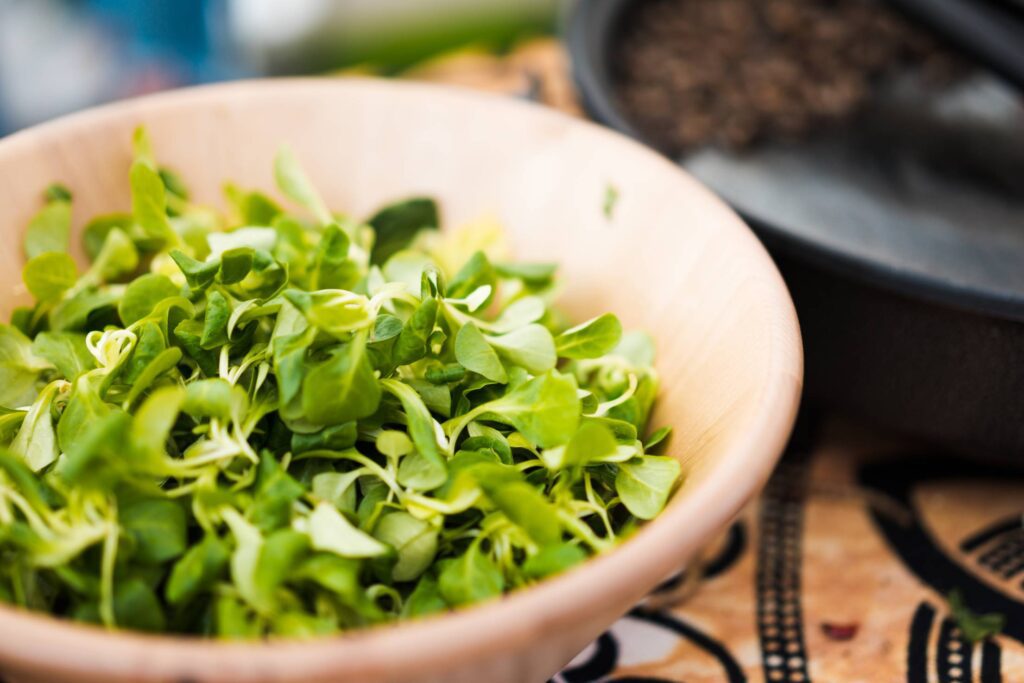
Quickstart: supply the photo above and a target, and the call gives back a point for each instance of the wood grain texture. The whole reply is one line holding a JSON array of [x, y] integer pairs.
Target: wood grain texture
[[672, 260]]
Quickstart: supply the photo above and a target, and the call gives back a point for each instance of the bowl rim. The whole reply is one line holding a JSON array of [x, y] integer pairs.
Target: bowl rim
[[31, 640]]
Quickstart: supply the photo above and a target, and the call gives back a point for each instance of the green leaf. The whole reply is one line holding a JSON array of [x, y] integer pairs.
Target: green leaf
[[476, 273], [974, 627], [215, 322], [235, 264], [592, 442], [56, 192], [592, 339], [198, 274], [95, 459], [84, 409], [553, 559], [20, 367], [431, 472], [276, 493], [645, 483], [337, 488], [342, 388], [25, 481], [413, 540], [153, 421], [36, 441], [116, 258], [657, 438], [50, 229], [149, 203], [333, 438], [336, 312], [157, 527], [143, 295], [211, 398], [530, 347], [527, 508], [281, 552], [425, 599], [66, 351], [294, 183], [476, 355], [471, 577], [137, 607], [397, 224], [412, 342], [189, 333], [330, 531], [197, 570], [173, 183], [332, 268], [95, 232], [545, 409], [233, 619], [519, 313], [49, 275], [254, 208], [337, 574], [85, 306]]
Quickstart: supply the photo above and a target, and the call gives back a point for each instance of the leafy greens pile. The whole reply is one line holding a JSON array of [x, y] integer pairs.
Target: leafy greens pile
[[291, 423]]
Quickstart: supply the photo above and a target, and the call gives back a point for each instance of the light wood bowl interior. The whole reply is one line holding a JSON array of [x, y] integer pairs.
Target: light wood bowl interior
[[672, 259]]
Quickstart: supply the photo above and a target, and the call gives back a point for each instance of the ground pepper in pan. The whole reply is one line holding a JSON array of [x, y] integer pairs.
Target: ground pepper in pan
[[732, 72]]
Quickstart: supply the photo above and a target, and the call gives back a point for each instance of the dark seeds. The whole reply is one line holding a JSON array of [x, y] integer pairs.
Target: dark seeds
[[731, 72]]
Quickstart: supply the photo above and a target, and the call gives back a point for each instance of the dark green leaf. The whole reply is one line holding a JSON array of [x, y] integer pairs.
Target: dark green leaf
[[197, 570], [553, 559], [471, 577], [157, 527], [397, 224]]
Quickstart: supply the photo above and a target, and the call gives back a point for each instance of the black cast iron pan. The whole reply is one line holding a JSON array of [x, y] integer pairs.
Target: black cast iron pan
[[900, 234]]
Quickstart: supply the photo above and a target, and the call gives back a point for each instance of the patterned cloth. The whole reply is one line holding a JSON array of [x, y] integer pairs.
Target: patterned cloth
[[839, 573]]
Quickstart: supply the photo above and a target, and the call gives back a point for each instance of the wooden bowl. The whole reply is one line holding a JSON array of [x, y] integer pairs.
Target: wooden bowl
[[671, 259]]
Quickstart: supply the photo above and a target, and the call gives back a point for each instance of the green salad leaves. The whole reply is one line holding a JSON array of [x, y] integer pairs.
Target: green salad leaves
[[275, 422]]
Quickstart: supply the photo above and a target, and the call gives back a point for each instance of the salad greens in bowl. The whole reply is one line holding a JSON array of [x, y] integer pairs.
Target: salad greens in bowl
[[356, 380], [292, 422]]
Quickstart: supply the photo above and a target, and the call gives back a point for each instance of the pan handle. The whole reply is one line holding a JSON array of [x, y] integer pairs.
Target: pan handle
[[991, 31]]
